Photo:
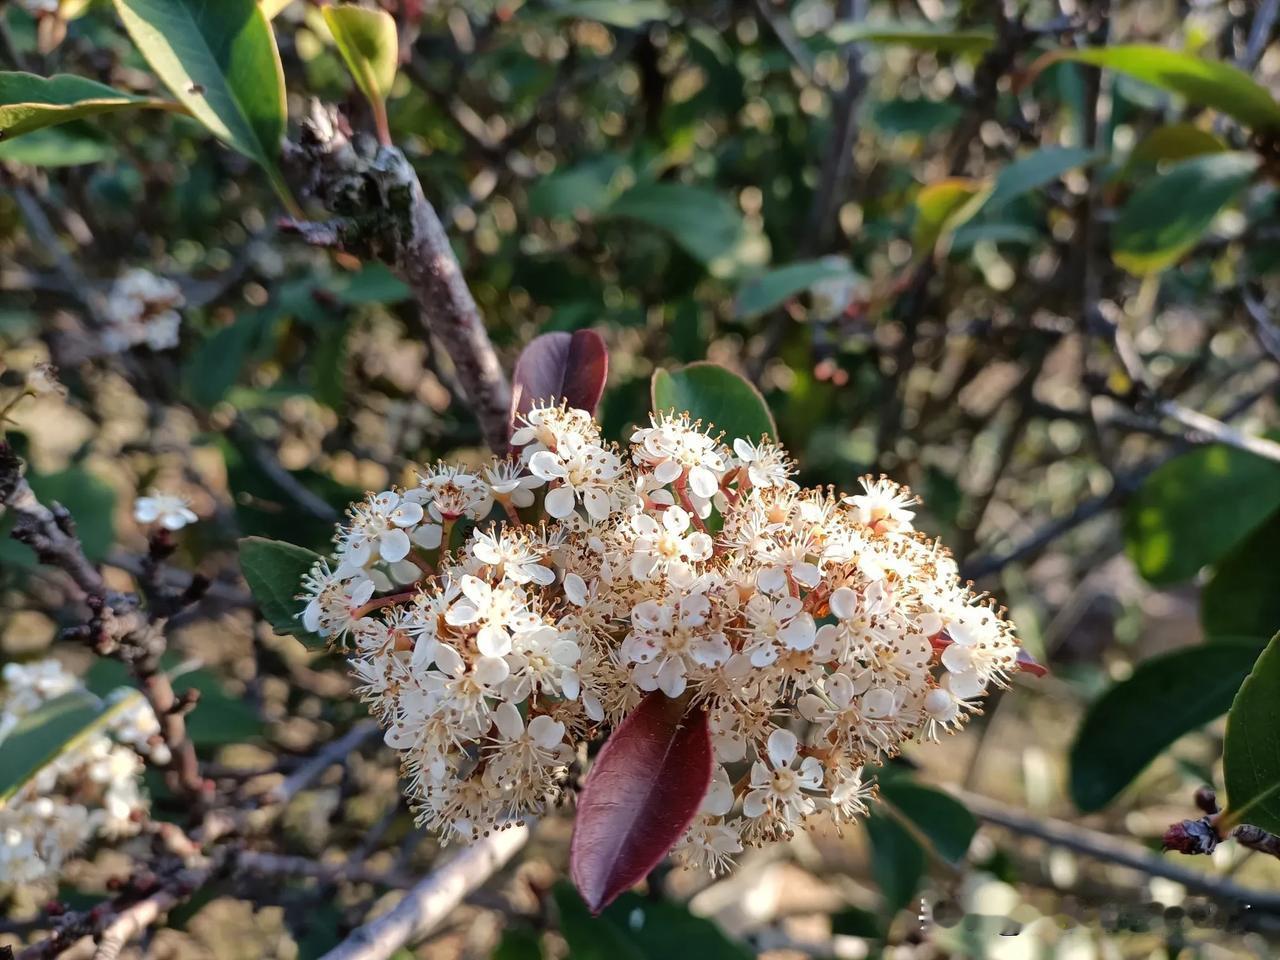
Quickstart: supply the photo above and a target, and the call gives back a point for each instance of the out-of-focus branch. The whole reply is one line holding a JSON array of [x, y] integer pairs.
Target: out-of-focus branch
[[1264, 21], [1101, 846], [427, 904], [381, 212], [332, 753]]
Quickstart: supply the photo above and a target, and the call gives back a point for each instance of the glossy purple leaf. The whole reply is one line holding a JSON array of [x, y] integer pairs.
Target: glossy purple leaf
[[562, 366], [643, 791]]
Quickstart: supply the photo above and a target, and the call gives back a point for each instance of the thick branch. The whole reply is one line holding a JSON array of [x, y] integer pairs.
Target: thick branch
[[381, 212], [433, 899]]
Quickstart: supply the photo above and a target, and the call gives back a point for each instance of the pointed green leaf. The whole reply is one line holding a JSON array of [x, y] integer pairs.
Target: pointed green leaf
[[763, 293], [367, 40], [1199, 81], [938, 38], [1166, 217], [49, 731], [220, 60], [714, 395], [1251, 755], [274, 571], [626, 14], [943, 206], [1135, 720], [29, 102], [1035, 171]]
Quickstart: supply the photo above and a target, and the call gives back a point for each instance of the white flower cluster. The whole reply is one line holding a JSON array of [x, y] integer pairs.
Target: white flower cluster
[[819, 632], [89, 791], [142, 308]]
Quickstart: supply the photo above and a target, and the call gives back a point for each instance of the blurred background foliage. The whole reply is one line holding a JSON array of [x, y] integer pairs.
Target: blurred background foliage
[[1044, 298]]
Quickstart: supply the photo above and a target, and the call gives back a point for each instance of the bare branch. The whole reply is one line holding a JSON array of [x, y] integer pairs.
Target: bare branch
[[424, 906]]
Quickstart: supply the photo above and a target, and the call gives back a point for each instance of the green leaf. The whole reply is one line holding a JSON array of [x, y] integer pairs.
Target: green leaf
[[1136, 719], [943, 206], [943, 819], [1166, 217], [763, 293], [274, 571], [367, 40], [919, 118], [920, 35], [1207, 82], [715, 395], [1177, 141], [29, 102], [49, 731], [627, 14], [1035, 171], [215, 364], [1242, 599], [1194, 509], [897, 862], [68, 145], [701, 221], [518, 943], [1251, 754], [638, 928], [220, 60]]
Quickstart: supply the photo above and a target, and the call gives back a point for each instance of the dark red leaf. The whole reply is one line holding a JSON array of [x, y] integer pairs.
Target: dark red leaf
[[643, 791], [562, 366]]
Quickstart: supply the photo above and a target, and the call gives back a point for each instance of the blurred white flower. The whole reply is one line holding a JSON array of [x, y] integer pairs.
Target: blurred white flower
[[171, 511]]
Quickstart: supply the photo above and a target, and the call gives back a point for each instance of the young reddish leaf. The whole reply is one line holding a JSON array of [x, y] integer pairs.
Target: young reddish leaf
[[642, 793], [565, 366]]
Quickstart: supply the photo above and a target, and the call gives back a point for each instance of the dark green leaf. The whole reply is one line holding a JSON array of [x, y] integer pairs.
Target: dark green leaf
[[1207, 82], [46, 732], [518, 943], [29, 102], [91, 502], [274, 571], [918, 36], [1169, 213], [1243, 597], [1133, 721], [767, 291], [1035, 171], [627, 14], [637, 928], [1251, 755], [716, 396], [220, 60], [701, 221], [1193, 510], [897, 862], [914, 117], [943, 819]]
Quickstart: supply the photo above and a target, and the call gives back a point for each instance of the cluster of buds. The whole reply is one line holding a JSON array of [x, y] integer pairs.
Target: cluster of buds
[[142, 308], [819, 632], [88, 791]]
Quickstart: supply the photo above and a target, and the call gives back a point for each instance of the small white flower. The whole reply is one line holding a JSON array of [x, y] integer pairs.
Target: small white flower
[[171, 511], [780, 789]]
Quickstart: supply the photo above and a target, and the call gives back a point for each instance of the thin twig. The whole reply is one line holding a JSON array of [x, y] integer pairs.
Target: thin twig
[[427, 904], [308, 773], [1264, 21]]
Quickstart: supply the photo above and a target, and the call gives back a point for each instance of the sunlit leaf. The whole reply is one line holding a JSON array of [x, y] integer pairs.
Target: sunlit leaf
[[1177, 141], [1192, 511], [66, 145], [627, 14], [643, 791], [367, 40], [1168, 214], [1208, 82], [1251, 754], [29, 102], [716, 396], [1135, 720], [220, 60], [943, 206]]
